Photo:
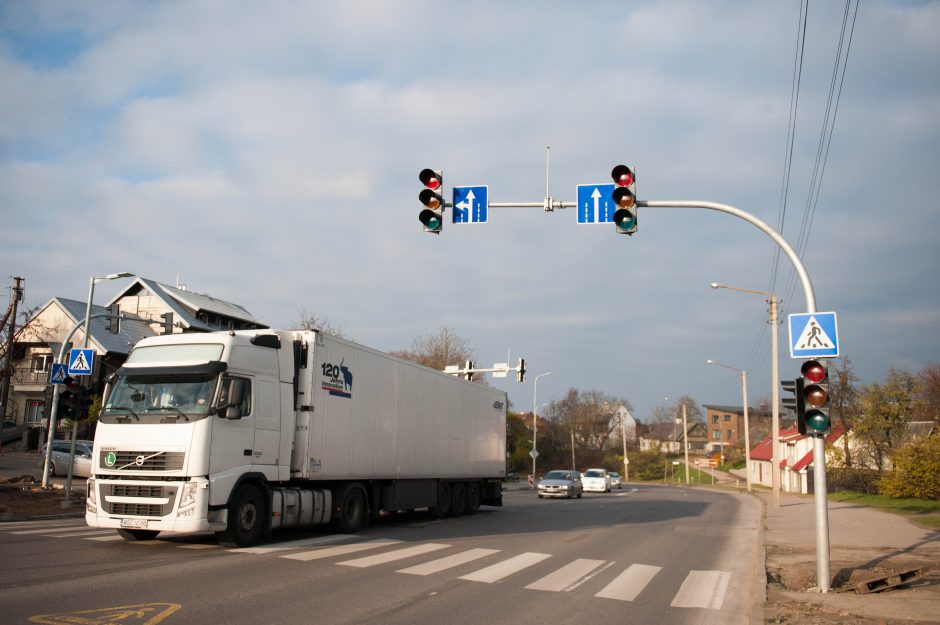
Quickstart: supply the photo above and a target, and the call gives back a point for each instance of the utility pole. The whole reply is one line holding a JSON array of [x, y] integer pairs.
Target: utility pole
[[15, 296]]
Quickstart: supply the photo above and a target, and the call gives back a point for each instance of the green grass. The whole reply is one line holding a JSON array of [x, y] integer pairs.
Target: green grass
[[924, 512]]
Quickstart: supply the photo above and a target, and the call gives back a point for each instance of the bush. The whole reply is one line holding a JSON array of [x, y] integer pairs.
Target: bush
[[916, 471], [853, 479], [646, 465]]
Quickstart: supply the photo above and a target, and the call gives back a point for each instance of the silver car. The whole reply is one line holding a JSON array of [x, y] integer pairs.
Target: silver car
[[59, 464], [615, 479], [561, 484]]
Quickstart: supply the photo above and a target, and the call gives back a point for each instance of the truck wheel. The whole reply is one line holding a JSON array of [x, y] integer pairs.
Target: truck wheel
[[352, 510], [473, 498], [134, 535], [459, 502], [442, 508], [245, 518]]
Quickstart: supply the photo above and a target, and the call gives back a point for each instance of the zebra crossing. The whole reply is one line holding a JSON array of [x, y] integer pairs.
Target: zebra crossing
[[699, 589]]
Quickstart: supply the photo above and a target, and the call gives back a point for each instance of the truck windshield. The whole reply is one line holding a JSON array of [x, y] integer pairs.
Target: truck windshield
[[152, 398]]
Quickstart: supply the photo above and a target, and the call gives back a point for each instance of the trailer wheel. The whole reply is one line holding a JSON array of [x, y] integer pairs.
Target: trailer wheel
[[473, 498], [245, 518], [459, 502], [352, 510], [134, 535], [442, 508]]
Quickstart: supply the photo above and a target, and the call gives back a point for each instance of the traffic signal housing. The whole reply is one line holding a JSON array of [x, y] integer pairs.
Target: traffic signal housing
[[520, 370], [624, 197], [167, 322], [815, 396], [69, 398], [795, 403], [432, 215], [113, 322]]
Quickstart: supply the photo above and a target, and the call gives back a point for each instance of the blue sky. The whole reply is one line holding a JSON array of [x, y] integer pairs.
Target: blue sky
[[267, 154]]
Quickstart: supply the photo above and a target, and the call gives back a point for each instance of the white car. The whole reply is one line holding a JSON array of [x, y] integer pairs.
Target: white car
[[59, 463], [595, 481], [615, 479]]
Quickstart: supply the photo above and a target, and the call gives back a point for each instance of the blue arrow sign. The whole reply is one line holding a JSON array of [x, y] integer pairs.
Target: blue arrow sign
[[471, 204], [59, 371], [814, 335], [80, 361], [595, 203]]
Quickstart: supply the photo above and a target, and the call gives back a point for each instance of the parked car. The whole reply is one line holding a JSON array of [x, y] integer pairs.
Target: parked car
[[561, 483], [596, 481], [59, 464], [615, 479], [11, 431], [512, 477]]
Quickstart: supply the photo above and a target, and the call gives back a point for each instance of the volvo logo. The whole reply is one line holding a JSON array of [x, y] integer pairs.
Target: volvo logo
[[139, 461]]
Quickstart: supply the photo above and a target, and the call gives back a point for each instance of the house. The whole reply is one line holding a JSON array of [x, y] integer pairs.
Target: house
[[667, 437], [796, 460], [147, 308], [621, 422], [726, 424]]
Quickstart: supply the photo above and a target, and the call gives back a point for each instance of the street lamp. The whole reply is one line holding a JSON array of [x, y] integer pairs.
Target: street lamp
[[685, 437], [535, 420], [774, 388], [747, 425]]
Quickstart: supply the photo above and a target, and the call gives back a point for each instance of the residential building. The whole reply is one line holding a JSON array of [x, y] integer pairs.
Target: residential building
[[667, 437], [726, 425], [796, 460], [147, 308]]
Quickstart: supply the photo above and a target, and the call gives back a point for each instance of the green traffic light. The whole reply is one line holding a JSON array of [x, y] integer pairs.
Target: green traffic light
[[817, 421], [625, 220]]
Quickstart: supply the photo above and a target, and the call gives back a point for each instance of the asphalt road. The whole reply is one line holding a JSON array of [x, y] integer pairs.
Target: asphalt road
[[650, 554]]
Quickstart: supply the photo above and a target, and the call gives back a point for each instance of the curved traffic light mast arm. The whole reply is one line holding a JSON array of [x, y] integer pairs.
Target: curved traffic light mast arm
[[773, 234], [819, 451], [53, 409]]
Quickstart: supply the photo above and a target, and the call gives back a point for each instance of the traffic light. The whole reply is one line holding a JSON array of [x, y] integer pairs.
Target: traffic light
[[795, 403], [113, 321], [520, 370], [432, 215], [815, 397], [624, 197], [167, 322], [69, 398]]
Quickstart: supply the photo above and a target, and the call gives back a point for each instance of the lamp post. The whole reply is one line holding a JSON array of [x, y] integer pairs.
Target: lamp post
[[747, 425], [685, 439], [535, 419], [87, 331], [775, 392]]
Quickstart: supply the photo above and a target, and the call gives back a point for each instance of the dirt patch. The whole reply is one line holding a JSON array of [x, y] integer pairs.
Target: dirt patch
[[791, 578], [23, 498]]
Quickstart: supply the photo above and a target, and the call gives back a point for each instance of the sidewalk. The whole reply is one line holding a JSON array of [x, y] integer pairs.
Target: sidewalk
[[864, 543]]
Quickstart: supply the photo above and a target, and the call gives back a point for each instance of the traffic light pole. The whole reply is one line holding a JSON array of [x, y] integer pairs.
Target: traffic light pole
[[823, 570]]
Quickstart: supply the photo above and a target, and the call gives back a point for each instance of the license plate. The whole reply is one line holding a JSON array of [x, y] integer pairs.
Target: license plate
[[135, 523]]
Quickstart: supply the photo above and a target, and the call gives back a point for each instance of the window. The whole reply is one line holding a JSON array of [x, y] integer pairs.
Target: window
[[41, 363], [729, 432], [226, 390], [727, 417], [715, 419], [34, 410], [716, 434]]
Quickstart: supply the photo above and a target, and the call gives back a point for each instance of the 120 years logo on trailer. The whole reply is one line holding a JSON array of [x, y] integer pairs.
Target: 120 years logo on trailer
[[337, 379]]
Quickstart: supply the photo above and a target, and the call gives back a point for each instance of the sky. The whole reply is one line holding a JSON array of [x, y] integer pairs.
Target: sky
[[268, 154]]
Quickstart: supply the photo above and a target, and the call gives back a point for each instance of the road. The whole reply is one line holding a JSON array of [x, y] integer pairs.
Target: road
[[646, 554]]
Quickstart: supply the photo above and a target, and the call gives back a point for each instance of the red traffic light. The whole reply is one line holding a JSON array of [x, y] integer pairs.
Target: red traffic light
[[622, 175], [814, 371], [431, 179]]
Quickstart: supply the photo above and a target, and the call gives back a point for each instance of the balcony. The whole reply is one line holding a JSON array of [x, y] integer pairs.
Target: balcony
[[28, 377]]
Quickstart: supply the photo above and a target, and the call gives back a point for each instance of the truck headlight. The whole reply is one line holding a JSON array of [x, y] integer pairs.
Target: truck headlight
[[91, 498], [188, 497]]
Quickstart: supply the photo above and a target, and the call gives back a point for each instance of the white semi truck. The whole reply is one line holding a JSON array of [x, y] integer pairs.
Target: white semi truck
[[245, 432]]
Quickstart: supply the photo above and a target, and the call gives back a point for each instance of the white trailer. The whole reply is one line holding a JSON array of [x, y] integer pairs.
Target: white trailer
[[242, 433]]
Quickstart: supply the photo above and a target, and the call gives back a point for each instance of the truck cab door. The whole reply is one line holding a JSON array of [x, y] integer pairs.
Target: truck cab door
[[233, 430]]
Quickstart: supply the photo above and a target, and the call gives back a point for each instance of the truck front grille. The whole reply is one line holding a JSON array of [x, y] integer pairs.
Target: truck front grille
[[126, 491], [143, 461]]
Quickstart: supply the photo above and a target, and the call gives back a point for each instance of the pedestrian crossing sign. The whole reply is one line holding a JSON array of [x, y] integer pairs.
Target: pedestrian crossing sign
[[814, 335], [80, 361], [59, 372]]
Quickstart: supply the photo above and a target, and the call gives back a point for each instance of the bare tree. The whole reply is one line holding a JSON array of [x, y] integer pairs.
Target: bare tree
[[930, 393], [438, 350], [311, 321], [843, 399]]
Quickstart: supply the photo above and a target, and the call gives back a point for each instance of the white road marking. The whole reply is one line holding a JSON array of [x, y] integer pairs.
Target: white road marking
[[506, 568], [392, 556], [340, 550], [702, 589], [293, 544], [442, 564], [630, 583], [567, 577]]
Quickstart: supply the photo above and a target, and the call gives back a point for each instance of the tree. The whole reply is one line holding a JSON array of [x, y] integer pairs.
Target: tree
[[916, 470], [438, 350], [843, 400], [930, 393], [885, 411], [312, 321], [586, 418]]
